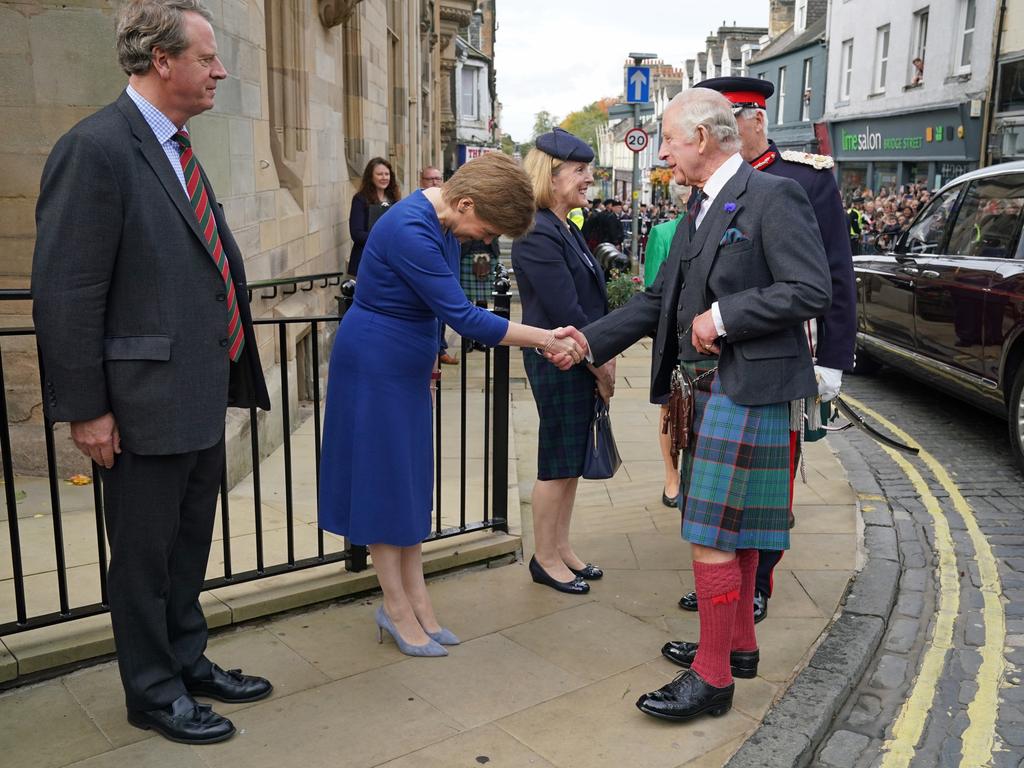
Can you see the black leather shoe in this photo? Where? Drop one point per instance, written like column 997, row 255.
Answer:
column 687, row 697
column 742, row 663
column 231, row 686
column 760, row 606
column 185, row 721
column 575, row 587
column 688, row 602
column 588, row 571
column 670, row 501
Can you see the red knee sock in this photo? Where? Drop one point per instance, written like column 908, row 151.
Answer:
column 743, row 636
column 718, row 592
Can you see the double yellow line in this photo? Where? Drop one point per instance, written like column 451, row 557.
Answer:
column 979, row 737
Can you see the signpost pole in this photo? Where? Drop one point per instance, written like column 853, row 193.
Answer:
column 634, row 245
column 638, row 88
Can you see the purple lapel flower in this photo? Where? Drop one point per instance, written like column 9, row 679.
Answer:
column 730, row 207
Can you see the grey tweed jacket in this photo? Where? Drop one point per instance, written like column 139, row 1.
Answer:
column 768, row 277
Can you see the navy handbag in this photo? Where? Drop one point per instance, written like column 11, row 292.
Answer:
column 602, row 460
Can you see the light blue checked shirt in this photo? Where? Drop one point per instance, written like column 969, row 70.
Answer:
column 164, row 131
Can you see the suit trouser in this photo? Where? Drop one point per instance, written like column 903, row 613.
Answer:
column 159, row 512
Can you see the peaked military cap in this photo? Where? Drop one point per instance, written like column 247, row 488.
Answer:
column 741, row 91
column 563, row 145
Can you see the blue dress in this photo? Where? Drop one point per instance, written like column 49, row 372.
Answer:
column 377, row 461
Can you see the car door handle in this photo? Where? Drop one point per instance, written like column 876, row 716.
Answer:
column 930, row 273
column 908, row 270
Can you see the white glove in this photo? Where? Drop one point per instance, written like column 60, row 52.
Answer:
column 829, row 382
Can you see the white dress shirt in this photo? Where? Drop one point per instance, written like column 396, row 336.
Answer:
column 712, row 187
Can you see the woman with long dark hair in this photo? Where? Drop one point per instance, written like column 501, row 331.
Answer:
column 378, row 190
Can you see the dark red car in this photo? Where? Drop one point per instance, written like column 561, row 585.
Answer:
column 946, row 305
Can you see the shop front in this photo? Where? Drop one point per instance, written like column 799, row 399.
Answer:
column 1007, row 140
column 928, row 146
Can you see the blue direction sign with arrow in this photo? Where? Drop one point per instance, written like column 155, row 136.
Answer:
column 638, row 85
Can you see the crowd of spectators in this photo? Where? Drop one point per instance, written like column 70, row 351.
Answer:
column 877, row 220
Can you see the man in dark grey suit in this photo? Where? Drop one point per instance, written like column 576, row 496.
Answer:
column 746, row 268
column 146, row 337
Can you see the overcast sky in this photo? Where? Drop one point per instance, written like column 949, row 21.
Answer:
column 560, row 55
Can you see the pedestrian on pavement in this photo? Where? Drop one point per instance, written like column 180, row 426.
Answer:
column 560, row 284
column 377, row 454
column 146, row 338
column 658, row 244
column 746, row 270
column 830, row 337
column 378, row 190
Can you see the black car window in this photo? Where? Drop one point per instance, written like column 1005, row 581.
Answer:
column 988, row 221
column 927, row 234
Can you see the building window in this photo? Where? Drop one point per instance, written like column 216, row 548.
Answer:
column 881, row 58
column 1010, row 93
column 805, row 97
column 354, row 77
column 965, row 38
column 780, row 113
column 469, row 104
column 846, row 69
column 398, row 102
column 800, row 24
column 920, row 45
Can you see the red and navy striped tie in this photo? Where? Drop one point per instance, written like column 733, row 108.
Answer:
column 204, row 214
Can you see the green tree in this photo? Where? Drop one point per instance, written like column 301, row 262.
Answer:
column 585, row 122
column 543, row 122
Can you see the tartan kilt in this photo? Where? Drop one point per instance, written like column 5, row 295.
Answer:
column 476, row 289
column 735, row 485
column 565, row 404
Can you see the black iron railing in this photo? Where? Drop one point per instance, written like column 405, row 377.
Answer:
column 486, row 512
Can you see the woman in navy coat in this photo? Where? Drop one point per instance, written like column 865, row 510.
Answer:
column 560, row 283
column 377, row 457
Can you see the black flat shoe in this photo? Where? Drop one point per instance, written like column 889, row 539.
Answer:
column 688, row 602
column 575, row 587
column 687, row 697
column 670, row 501
column 185, row 721
column 588, row 571
column 742, row 663
column 760, row 606
column 229, row 686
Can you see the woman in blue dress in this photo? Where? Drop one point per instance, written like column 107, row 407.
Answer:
column 377, row 457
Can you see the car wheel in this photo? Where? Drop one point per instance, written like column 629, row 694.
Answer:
column 864, row 364
column 1015, row 415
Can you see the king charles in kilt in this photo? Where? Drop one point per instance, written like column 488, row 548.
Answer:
column 832, row 336
column 745, row 271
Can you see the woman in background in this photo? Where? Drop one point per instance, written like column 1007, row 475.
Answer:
column 560, row 283
column 377, row 191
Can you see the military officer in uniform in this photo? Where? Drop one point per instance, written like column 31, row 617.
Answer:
column 831, row 337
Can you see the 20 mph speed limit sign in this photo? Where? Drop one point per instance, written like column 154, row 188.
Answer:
column 637, row 139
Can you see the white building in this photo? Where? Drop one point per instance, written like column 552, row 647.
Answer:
column 891, row 121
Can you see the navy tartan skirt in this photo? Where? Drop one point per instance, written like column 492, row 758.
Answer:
column 565, row 404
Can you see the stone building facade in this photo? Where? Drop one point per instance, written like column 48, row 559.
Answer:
column 316, row 88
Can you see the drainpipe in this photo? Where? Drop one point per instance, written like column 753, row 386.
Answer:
column 991, row 106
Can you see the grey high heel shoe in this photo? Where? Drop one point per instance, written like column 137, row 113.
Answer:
column 430, row 648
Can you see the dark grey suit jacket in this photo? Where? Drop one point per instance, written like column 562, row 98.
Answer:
column 766, row 285
column 129, row 308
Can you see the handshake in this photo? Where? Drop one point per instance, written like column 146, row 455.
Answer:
column 565, row 347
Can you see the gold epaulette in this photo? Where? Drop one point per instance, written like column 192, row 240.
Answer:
column 818, row 162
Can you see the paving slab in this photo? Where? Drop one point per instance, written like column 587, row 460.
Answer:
column 364, row 720
column 615, row 733
column 487, row 745
column 43, row 727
